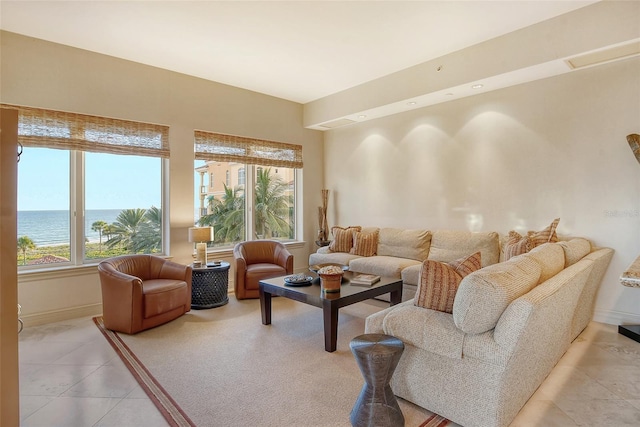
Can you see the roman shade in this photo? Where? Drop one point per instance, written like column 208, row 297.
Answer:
column 72, row 131
column 230, row 148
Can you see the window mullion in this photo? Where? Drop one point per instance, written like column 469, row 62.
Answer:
column 77, row 207
column 249, row 200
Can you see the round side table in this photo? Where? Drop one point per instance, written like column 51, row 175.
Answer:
column 209, row 286
column 377, row 356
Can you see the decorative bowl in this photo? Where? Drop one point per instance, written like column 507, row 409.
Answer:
column 331, row 277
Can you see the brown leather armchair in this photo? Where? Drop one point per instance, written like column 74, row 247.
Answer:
column 143, row 291
column 257, row 260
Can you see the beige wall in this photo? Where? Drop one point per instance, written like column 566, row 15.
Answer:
column 47, row 75
column 511, row 159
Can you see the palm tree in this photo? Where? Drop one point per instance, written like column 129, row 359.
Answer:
column 149, row 237
column 24, row 244
column 272, row 206
column 126, row 227
column 99, row 226
column 227, row 216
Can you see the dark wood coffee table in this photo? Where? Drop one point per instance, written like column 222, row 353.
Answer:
column 329, row 302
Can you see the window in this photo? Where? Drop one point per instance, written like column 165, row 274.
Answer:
column 103, row 192
column 44, row 220
column 241, row 176
column 237, row 211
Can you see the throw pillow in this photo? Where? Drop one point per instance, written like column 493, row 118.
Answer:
column 544, row 236
column 518, row 245
column 364, row 244
column 439, row 281
column 343, row 238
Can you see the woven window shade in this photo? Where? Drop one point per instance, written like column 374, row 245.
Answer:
column 230, row 148
column 70, row 131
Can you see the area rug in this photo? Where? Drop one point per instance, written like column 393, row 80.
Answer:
column 222, row 367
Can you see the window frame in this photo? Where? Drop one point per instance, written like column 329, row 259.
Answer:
column 252, row 154
column 80, row 133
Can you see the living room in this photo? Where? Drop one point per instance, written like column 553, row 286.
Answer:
column 507, row 159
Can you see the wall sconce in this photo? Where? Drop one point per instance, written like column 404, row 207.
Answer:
column 201, row 235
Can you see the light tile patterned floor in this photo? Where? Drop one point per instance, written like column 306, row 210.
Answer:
column 70, row 376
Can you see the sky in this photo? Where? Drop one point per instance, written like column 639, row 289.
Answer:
column 43, row 181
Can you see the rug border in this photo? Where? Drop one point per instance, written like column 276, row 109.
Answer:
column 168, row 407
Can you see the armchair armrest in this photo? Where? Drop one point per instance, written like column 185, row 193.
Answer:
column 284, row 258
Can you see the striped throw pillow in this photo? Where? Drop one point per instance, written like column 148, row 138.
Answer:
column 439, row 282
column 544, row 236
column 343, row 238
column 364, row 244
column 516, row 245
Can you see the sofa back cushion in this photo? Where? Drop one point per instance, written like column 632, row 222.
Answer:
column 575, row 250
column 449, row 245
column 484, row 294
column 404, row 243
column 550, row 257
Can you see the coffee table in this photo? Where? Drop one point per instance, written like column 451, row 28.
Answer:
column 329, row 302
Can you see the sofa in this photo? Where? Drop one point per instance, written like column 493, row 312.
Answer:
column 510, row 323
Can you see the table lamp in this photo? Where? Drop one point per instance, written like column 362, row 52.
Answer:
column 201, row 235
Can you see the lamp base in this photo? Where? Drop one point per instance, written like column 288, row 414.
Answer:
column 201, row 253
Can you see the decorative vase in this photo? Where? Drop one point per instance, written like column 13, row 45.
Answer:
column 330, row 282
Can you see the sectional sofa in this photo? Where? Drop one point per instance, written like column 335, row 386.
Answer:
column 510, row 323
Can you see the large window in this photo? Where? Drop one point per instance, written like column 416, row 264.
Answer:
column 237, row 211
column 88, row 188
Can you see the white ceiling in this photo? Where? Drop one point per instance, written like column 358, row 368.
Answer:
column 296, row 50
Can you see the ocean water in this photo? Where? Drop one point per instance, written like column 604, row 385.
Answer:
column 48, row 228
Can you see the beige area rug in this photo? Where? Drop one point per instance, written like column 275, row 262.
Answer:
column 222, row 367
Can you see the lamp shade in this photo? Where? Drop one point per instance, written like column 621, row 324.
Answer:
column 200, row 234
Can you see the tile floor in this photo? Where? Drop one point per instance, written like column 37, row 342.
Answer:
column 70, row 376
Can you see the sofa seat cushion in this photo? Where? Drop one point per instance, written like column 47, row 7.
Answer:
column 439, row 281
column 449, row 245
column 404, row 243
column 381, row 265
column 484, row 294
column 429, row 330
column 342, row 258
column 411, row 275
column 163, row 295
column 575, row 250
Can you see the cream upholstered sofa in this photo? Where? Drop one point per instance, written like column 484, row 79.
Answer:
column 511, row 322
column 400, row 252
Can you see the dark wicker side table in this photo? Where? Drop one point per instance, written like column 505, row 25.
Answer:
column 209, row 286
column 377, row 356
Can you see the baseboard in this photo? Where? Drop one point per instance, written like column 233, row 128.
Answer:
column 613, row 317
column 60, row 315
